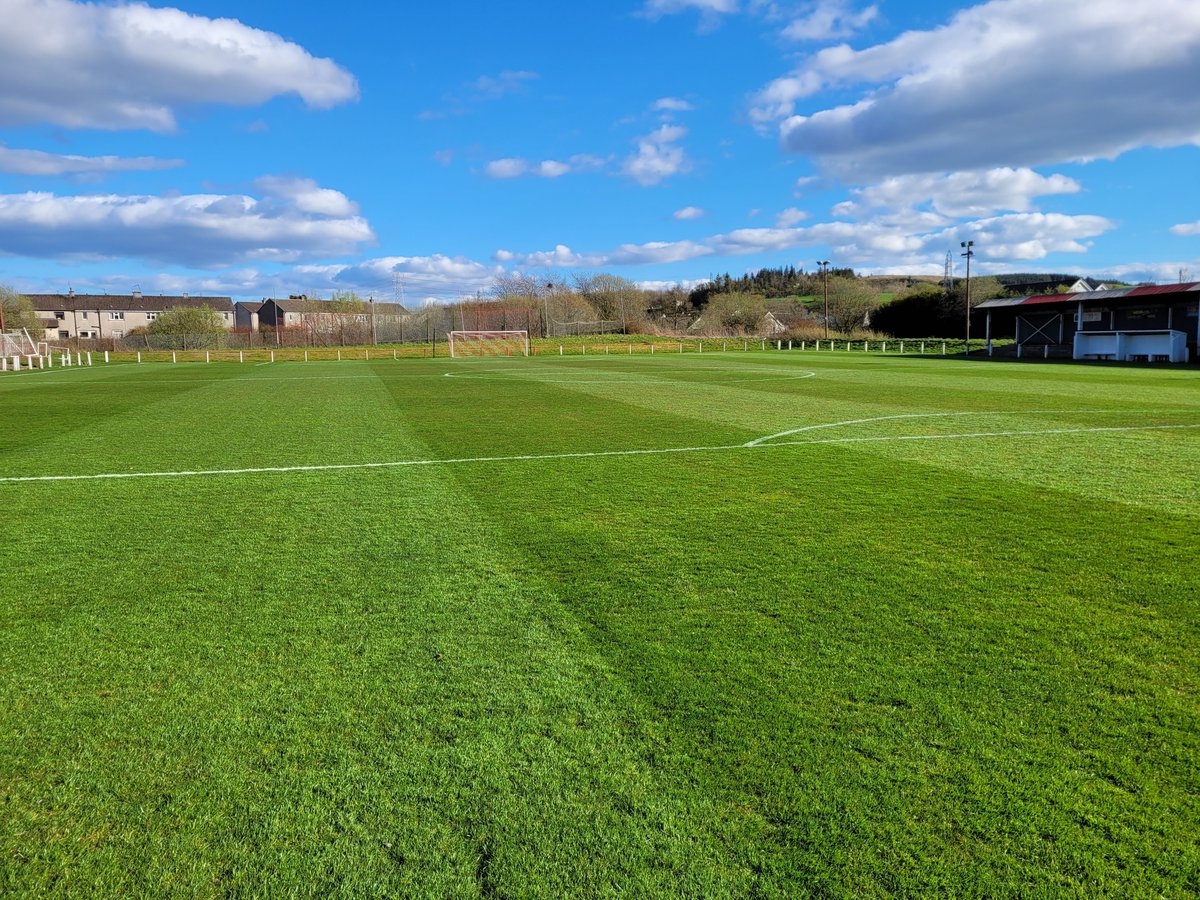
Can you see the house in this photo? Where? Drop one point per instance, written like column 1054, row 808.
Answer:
column 74, row 316
column 245, row 316
column 334, row 321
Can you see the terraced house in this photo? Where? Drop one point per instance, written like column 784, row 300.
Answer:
column 74, row 316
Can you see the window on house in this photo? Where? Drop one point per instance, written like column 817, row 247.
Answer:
column 150, row 317
column 84, row 314
column 64, row 335
column 116, row 314
column 118, row 334
column 60, row 316
column 86, row 334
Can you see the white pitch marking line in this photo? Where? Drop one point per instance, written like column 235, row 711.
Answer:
column 996, row 412
column 587, row 454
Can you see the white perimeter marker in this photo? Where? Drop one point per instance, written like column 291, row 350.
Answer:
column 590, row 454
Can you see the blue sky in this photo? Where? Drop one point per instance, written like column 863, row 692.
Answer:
column 265, row 148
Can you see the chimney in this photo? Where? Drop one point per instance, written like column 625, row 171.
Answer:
column 71, row 292
column 137, row 295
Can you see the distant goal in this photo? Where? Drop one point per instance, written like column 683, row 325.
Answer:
column 489, row 343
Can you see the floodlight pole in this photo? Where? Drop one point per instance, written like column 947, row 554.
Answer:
column 374, row 339
column 967, row 245
column 824, row 264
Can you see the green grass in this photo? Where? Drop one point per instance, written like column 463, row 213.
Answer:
column 901, row 667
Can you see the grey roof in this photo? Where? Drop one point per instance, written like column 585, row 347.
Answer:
column 144, row 303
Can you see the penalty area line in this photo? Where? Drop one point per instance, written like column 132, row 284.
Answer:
column 592, row 454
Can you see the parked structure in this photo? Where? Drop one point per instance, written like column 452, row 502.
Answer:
column 74, row 316
column 1155, row 323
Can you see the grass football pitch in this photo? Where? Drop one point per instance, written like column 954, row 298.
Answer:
column 719, row 625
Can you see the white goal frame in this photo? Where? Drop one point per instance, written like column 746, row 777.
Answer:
column 488, row 343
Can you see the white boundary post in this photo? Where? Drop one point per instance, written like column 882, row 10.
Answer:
column 272, row 356
column 89, row 357
column 306, row 356
column 922, row 348
column 560, row 349
column 173, row 359
column 207, row 356
column 106, row 356
column 139, row 357
column 339, row 354
column 943, row 348
column 241, row 356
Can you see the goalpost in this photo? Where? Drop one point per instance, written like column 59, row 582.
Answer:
column 18, row 345
column 489, row 343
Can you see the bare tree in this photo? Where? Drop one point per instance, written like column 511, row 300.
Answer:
column 851, row 302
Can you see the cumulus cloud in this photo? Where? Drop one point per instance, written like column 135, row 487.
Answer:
column 129, row 65
column 658, row 156
column 437, row 277
column 293, row 219
column 830, row 19
column 688, row 213
column 685, row 283
column 903, row 242
column 38, row 162
column 962, row 194
column 1189, row 229
column 516, row 167
column 1007, row 82
column 671, row 104
column 790, row 216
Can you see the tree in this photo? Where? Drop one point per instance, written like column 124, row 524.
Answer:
column 19, row 313
column 851, row 302
column 188, row 327
column 734, row 313
column 614, row 299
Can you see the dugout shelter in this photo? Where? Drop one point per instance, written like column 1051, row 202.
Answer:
column 1151, row 323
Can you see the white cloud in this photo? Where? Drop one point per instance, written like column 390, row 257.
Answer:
column 293, row 219
column 515, row 167
column 790, row 217
column 418, row 277
column 671, row 104
column 129, row 65
column 1189, row 229
column 1007, row 82
column 38, row 162
column 510, row 167
column 306, row 196
column 964, row 194
column 658, row 156
column 829, row 19
column 685, row 283
column 656, row 8
column 1026, row 236
column 688, row 213
column 878, row 243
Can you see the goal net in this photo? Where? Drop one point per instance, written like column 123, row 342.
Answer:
column 489, row 343
column 17, row 343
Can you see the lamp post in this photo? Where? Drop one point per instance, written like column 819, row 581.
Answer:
column 374, row 339
column 967, row 245
column 824, row 264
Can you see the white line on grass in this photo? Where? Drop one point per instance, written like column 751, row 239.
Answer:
column 996, row 412
column 586, row 454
